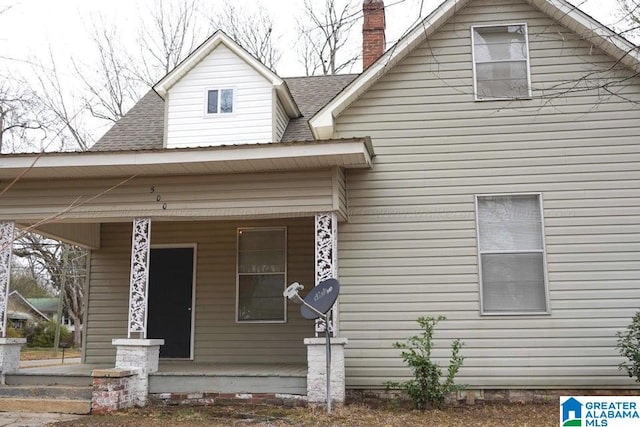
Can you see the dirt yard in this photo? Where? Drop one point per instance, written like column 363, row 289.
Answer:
column 489, row 415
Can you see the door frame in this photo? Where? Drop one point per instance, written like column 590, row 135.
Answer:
column 193, row 246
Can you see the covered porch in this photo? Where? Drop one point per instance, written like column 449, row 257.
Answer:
column 128, row 220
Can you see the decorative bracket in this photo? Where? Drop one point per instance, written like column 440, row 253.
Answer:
column 327, row 260
column 7, row 229
column 139, row 284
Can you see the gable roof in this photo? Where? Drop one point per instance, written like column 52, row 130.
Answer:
column 18, row 295
column 142, row 128
column 625, row 52
column 220, row 38
column 44, row 305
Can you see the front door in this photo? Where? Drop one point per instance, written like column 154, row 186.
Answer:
column 170, row 299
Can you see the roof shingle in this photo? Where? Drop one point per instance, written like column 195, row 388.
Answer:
column 142, row 128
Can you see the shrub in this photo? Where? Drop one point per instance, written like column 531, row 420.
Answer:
column 426, row 389
column 42, row 335
column 13, row 332
column 629, row 347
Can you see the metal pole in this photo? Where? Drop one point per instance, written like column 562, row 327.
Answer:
column 328, row 335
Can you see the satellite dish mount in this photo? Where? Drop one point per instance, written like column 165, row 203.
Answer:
column 317, row 305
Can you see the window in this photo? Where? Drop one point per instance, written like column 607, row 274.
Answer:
column 262, row 274
column 511, row 254
column 501, row 62
column 220, row 101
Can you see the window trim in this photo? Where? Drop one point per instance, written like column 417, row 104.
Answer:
column 547, row 300
column 286, row 268
column 528, row 62
column 218, row 113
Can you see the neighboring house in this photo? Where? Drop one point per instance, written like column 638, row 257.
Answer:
column 20, row 311
column 49, row 306
column 485, row 168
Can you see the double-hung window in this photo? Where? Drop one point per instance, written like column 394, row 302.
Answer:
column 511, row 256
column 262, row 274
column 220, row 101
column 501, row 62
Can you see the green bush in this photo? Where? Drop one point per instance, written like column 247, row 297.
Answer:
column 42, row 335
column 13, row 332
column 426, row 389
column 629, row 347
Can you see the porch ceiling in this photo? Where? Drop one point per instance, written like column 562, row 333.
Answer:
column 346, row 153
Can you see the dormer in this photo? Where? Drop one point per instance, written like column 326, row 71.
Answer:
column 222, row 95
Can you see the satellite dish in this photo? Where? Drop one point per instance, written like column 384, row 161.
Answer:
column 321, row 298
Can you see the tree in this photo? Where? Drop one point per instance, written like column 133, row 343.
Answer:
column 20, row 113
column 64, row 266
column 26, row 283
column 171, row 31
column 251, row 29
column 324, row 34
column 630, row 10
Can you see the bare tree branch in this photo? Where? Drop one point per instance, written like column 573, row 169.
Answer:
column 251, row 29
column 324, row 35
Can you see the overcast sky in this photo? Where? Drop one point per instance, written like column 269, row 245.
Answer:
column 31, row 26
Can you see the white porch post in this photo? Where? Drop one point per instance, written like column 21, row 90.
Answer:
column 9, row 347
column 139, row 283
column 139, row 355
column 326, row 266
column 327, row 259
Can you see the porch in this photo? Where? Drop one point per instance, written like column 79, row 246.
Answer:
column 181, row 377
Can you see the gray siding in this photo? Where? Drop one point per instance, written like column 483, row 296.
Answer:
column 409, row 248
column 280, row 119
column 214, row 196
column 86, row 235
column 218, row 338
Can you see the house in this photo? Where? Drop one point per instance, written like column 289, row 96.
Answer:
column 20, row 311
column 484, row 168
column 49, row 306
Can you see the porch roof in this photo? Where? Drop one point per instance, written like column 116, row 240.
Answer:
column 227, row 159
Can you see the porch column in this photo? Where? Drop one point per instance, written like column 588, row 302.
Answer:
column 9, row 347
column 327, row 260
column 138, row 354
column 139, row 283
column 326, row 237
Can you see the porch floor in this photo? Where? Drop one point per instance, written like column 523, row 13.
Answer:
column 183, row 377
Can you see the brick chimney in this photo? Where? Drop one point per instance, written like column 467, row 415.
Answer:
column 373, row 39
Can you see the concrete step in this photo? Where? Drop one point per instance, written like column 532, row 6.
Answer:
column 58, row 406
column 46, row 392
column 48, row 380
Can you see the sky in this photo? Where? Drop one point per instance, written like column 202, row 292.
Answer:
column 30, row 29
column 31, row 26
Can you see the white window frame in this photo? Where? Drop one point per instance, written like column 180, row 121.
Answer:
column 547, row 310
column 473, row 61
column 219, row 113
column 284, row 285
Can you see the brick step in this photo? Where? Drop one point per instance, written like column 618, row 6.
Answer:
column 50, row 392
column 58, row 406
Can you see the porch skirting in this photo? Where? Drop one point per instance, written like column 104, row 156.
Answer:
column 276, row 399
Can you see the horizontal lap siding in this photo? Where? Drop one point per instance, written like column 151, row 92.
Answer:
column 409, row 248
column 251, row 121
column 268, row 194
column 218, row 338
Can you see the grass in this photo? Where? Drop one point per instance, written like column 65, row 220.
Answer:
column 479, row 415
column 46, row 353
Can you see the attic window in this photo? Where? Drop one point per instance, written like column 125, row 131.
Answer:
column 501, row 62
column 220, row 101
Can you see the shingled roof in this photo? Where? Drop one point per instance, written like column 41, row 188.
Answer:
column 142, row 128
